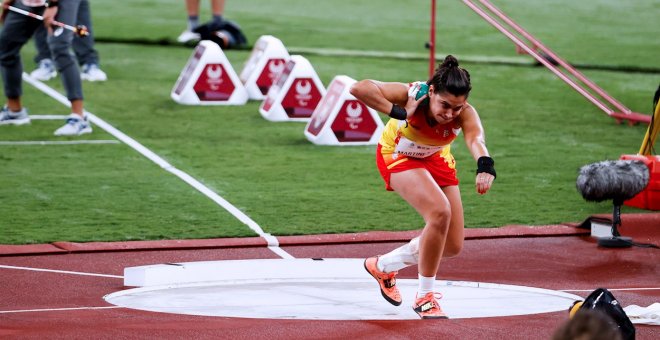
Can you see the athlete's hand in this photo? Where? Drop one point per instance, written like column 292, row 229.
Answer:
column 412, row 103
column 484, row 181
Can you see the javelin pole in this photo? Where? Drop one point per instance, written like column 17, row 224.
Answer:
column 80, row 30
column 432, row 40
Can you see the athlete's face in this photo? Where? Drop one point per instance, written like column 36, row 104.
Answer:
column 445, row 106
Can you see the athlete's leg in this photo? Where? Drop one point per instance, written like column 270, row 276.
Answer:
column 455, row 236
column 417, row 187
column 408, row 254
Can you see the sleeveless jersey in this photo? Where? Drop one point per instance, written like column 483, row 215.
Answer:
column 416, row 138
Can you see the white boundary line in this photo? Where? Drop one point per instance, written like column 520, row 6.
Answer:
column 48, row 117
column 60, row 142
column 60, row 271
column 56, row 309
column 273, row 243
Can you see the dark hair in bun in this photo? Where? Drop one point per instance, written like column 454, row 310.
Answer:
column 451, row 78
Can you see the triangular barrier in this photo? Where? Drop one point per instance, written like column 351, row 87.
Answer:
column 209, row 79
column 341, row 119
column 295, row 93
column 265, row 63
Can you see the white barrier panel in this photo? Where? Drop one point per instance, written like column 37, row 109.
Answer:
column 209, row 79
column 341, row 119
column 295, row 93
column 266, row 62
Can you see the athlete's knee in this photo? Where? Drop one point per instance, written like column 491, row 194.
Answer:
column 439, row 218
column 452, row 249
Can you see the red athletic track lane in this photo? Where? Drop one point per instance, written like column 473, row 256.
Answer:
column 559, row 258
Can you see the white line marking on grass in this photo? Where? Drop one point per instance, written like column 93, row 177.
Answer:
column 611, row 289
column 273, row 243
column 60, row 271
column 48, row 117
column 56, row 309
column 61, row 142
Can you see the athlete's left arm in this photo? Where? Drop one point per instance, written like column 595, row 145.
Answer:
column 475, row 140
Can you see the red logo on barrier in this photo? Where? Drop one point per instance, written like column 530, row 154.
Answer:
column 354, row 123
column 214, row 84
column 301, row 99
column 271, row 70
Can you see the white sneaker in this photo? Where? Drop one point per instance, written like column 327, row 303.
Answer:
column 92, row 72
column 75, row 126
column 8, row 116
column 45, row 70
column 188, row 36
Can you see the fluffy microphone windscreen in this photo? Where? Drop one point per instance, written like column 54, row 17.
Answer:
column 606, row 180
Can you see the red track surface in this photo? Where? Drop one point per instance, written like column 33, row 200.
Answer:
column 553, row 257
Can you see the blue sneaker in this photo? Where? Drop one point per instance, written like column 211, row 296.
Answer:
column 45, row 70
column 75, row 126
column 92, row 72
column 8, row 116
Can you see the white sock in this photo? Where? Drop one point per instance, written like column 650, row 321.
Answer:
column 399, row 258
column 379, row 264
column 425, row 285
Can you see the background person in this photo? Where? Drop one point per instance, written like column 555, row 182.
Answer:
column 88, row 57
column 192, row 8
column 588, row 324
column 16, row 31
column 414, row 158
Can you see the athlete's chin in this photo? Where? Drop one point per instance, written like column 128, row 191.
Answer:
column 442, row 120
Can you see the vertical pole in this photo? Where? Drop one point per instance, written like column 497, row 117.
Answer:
column 432, row 41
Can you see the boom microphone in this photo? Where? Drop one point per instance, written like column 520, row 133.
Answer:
column 612, row 180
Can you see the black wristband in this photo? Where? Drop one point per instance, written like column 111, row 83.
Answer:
column 398, row 112
column 51, row 3
column 487, row 165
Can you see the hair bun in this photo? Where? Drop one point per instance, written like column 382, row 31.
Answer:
column 449, row 62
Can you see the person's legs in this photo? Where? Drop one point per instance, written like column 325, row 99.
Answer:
column 455, row 234
column 41, row 44
column 84, row 46
column 88, row 57
column 192, row 9
column 417, row 187
column 217, row 10
column 45, row 69
column 60, row 44
column 16, row 31
column 408, row 254
column 420, row 190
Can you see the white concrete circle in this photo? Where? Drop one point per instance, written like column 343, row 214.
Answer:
column 318, row 296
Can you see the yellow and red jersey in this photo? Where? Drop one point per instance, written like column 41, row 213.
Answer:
column 416, row 138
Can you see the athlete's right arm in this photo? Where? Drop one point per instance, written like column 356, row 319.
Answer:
column 380, row 96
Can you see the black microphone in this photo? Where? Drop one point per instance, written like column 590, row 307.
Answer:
column 617, row 181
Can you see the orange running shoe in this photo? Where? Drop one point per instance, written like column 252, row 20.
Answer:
column 427, row 307
column 387, row 281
